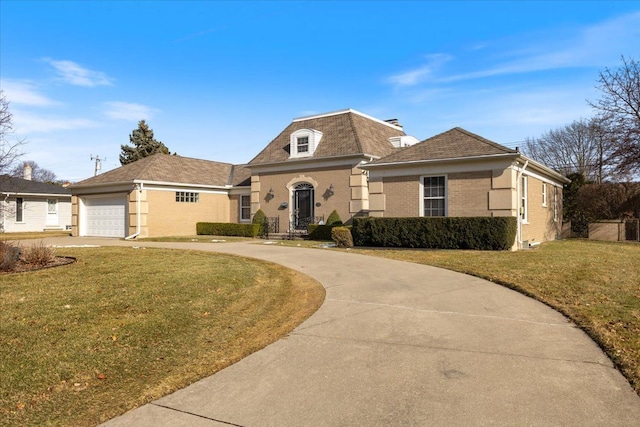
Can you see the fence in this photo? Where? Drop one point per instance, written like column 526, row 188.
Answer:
column 616, row 230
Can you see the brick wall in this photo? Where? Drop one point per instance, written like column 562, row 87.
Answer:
column 468, row 193
column 321, row 179
column 402, row 196
column 166, row 217
column 540, row 225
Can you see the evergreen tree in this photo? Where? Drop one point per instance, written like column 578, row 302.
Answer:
column 143, row 145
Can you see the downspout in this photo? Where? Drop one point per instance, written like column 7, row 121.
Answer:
column 519, row 187
column 137, row 233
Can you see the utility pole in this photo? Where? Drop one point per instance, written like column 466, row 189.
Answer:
column 98, row 164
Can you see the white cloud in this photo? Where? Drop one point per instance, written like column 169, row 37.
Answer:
column 597, row 45
column 25, row 93
column 128, row 111
column 74, row 74
column 26, row 123
column 420, row 74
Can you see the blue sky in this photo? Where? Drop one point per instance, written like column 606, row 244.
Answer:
column 220, row 80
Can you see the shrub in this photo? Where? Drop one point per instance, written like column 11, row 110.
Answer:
column 342, row 237
column 227, row 229
column 259, row 218
column 9, row 255
column 334, row 218
column 483, row 233
column 39, row 254
column 319, row 232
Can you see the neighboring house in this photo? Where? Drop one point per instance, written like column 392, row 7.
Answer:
column 160, row 195
column 345, row 161
column 458, row 173
column 27, row 205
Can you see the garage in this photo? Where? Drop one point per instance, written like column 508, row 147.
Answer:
column 105, row 216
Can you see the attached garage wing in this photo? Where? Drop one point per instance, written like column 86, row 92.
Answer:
column 104, row 217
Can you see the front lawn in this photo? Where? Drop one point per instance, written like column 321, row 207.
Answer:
column 596, row 284
column 121, row 327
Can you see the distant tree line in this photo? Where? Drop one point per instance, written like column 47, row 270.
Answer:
column 601, row 155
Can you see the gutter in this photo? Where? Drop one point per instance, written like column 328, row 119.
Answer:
column 138, row 225
column 519, row 187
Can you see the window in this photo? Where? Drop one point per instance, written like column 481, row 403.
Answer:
column 19, row 208
column 186, row 197
column 245, row 208
column 523, row 199
column 544, row 194
column 52, row 206
column 302, row 144
column 434, row 193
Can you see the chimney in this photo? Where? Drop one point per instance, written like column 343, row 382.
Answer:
column 394, row 122
column 27, row 171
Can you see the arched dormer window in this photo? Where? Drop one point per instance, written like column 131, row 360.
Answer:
column 304, row 142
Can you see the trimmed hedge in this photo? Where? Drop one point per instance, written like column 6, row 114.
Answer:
column 320, row 232
column 227, row 229
column 342, row 237
column 482, row 233
column 259, row 218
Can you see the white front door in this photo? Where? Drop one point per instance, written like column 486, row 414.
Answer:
column 52, row 212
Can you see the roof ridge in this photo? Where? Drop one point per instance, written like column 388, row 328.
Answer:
column 484, row 140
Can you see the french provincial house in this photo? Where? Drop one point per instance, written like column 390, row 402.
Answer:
column 27, row 206
column 346, row 161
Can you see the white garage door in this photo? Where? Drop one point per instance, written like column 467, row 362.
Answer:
column 105, row 217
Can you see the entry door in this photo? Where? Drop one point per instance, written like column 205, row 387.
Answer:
column 303, row 206
column 52, row 212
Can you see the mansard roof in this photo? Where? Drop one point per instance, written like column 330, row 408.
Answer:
column 344, row 133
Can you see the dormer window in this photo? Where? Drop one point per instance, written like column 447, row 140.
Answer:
column 303, row 142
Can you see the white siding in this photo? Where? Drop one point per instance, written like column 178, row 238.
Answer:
column 34, row 214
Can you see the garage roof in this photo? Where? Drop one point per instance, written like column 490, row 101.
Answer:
column 174, row 169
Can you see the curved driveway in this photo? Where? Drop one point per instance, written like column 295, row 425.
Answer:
column 402, row 344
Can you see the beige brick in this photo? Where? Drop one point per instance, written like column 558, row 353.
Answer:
column 375, row 187
column 357, row 180
column 502, row 199
column 503, row 178
column 377, row 202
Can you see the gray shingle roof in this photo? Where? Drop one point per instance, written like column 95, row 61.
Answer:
column 344, row 133
column 9, row 184
column 454, row 143
column 170, row 168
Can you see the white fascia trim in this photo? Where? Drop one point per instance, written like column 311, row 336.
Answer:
column 180, row 184
column 49, row 195
column 348, row 110
column 310, row 163
column 542, row 168
column 450, row 159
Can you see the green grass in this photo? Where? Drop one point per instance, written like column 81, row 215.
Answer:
column 596, row 284
column 121, row 327
column 33, row 235
column 197, row 238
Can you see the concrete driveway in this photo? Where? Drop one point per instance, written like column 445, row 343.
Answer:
column 402, row 344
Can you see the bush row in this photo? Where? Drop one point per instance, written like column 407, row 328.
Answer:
column 482, row 233
column 227, row 229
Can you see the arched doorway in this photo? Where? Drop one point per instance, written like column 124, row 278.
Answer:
column 303, row 199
